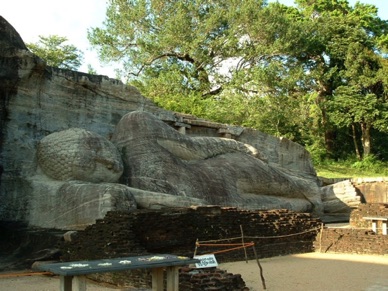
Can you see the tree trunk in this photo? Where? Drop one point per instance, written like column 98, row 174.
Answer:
column 329, row 142
column 355, row 142
column 365, row 138
column 329, row 133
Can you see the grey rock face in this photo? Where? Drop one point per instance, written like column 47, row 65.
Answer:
column 78, row 154
column 39, row 157
column 74, row 205
column 38, row 100
column 219, row 171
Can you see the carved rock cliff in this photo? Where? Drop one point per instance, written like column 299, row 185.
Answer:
column 38, row 100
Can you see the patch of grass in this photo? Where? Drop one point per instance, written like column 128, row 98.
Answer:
column 368, row 167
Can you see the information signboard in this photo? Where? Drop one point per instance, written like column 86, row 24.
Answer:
column 206, row 261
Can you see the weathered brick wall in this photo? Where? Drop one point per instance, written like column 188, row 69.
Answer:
column 359, row 239
column 367, row 210
column 210, row 279
column 175, row 231
column 108, row 238
column 190, row 279
column 351, row 241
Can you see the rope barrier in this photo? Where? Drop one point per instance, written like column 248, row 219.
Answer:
column 228, row 250
column 243, row 245
column 285, row 235
column 221, row 245
column 260, row 237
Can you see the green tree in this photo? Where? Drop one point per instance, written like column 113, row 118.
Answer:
column 310, row 51
column 56, row 53
column 189, row 39
column 253, row 63
column 362, row 100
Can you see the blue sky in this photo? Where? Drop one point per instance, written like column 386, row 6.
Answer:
column 72, row 18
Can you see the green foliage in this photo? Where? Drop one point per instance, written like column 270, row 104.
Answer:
column 189, row 38
column 370, row 163
column 317, row 152
column 370, row 166
column 361, row 98
column 57, row 54
column 314, row 73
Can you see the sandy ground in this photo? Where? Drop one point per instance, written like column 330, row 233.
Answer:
column 315, row 271
column 312, row 271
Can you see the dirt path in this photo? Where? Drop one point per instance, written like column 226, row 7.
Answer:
column 315, row 271
column 312, row 271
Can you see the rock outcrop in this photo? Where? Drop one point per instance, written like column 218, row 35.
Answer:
column 219, row 171
column 341, row 197
column 37, row 101
column 169, row 158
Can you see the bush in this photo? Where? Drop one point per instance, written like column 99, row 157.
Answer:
column 371, row 164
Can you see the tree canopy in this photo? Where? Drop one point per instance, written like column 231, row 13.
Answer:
column 314, row 72
column 56, row 53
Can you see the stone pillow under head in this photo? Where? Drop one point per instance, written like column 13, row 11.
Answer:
column 78, row 154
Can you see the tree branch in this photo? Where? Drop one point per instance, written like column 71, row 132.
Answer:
column 213, row 92
column 184, row 57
